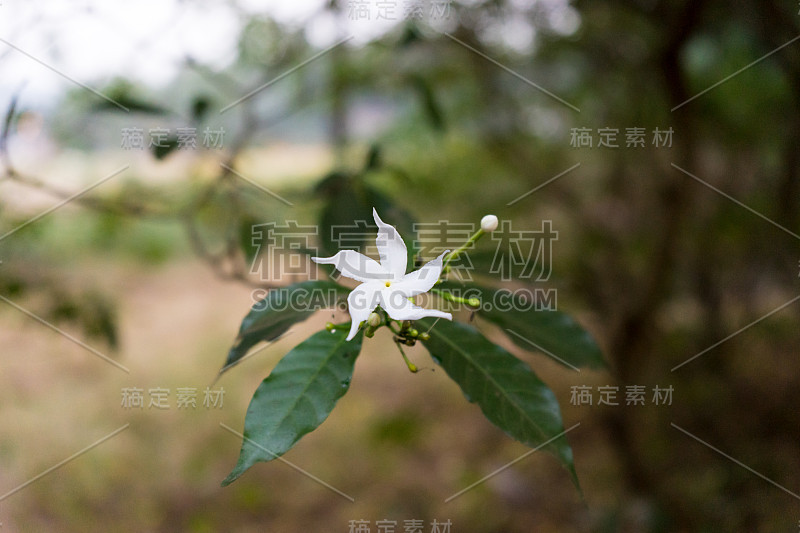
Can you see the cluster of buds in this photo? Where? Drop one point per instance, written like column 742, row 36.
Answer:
column 408, row 335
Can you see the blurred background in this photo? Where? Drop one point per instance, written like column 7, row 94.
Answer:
column 141, row 142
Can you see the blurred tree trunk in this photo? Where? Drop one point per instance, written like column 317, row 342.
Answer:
column 634, row 336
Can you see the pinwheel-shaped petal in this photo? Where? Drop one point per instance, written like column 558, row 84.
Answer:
column 385, row 284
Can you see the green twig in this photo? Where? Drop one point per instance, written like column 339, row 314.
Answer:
column 411, row 366
column 471, row 302
column 452, row 256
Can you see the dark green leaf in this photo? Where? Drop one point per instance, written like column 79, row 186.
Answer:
column 430, row 105
column 373, row 160
column 410, row 35
column 10, row 114
column 122, row 92
column 296, row 397
column 281, row 309
column 346, row 219
column 505, row 388
column 165, row 147
column 200, row 107
column 249, row 248
column 93, row 311
column 534, row 328
column 99, row 319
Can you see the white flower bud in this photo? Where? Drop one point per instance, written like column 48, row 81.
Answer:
column 489, row 223
column 374, row 320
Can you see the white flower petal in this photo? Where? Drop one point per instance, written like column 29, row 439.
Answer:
column 361, row 302
column 355, row 266
column 400, row 308
column 421, row 280
column 391, row 248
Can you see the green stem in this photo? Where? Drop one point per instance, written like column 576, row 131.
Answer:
column 452, row 256
column 392, row 328
column 411, row 366
column 471, row 302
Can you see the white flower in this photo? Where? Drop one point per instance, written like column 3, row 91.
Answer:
column 385, row 284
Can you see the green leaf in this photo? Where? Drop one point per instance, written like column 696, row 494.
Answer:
column 281, row 309
column 10, row 114
column 553, row 333
column 431, row 107
column 249, row 248
column 508, row 392
column 200, row 107
column 122, row 92
column 373, row 160
column 296, row 397
column 410, row 36
column 345, row 214
column 165, row 147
